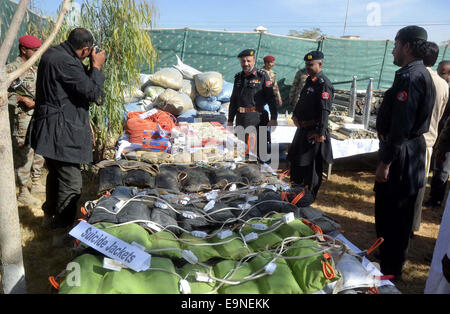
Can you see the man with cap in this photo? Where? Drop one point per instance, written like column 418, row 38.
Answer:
column 311, row 145
column 269, row 63
column 21, row 107
column 403, row 117
column 252, row 90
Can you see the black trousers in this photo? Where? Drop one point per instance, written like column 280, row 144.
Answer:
column 63, row 190
column 310, row 175
column 256, row 120
column 440, row 179
column 394, row 214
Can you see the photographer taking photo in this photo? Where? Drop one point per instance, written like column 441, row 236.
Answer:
column 60, row 129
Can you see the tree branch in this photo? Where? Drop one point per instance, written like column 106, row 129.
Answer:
column 12, row 31
column 17, row 73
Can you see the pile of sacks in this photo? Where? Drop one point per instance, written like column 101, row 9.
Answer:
column 188, row 94
column 213, row 230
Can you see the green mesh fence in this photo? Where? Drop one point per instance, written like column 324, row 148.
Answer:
column 344, row 58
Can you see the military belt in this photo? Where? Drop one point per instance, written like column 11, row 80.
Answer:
column 251, row 109
column 306, row 124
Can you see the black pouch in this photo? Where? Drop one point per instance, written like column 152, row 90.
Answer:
column 190, row 224
column 195, row 180
column 104, row 211
column 168, row 179
column 109, row 178
column 139, row 178
column 250, row 174
column 161, row 217
column 134, row 210
column 220, row 216
column 219, row 178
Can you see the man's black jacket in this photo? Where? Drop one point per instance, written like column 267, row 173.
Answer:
column 64, row 89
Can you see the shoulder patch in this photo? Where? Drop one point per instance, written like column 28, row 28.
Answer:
column 269, row 83
column 325, row 96
column 402, row 96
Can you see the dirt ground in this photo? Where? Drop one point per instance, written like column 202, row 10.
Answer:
column 347, row 197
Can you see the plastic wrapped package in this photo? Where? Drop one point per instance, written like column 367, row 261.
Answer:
column 167, row 78
column 208, row 83
column 189, row 89
column 153, row 92
column 174, row 102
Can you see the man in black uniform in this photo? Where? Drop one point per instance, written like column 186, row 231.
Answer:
column 60, row 129
column 252, row 90
column 312, row 145
column 404, row 116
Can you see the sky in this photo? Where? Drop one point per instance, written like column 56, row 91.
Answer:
column 365, row 18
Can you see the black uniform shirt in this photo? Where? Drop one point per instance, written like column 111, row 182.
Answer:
column 406, row 109
column 315, row 101
column 254, row 90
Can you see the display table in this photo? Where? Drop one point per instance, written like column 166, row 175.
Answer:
column 341, row 148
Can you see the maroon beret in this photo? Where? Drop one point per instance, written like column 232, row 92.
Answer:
column 29, row 41
column 269, row 59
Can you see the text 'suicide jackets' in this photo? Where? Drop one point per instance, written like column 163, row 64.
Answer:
column 60, row 127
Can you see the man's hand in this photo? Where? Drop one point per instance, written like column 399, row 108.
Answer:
column 272, row 123
column 281, row 102
column 446, row 268
column 319, row 138
column 27, row 101
column 382, row 173
column 98, row 59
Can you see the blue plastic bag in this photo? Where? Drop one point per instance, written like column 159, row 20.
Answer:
column 188, row 116
column 208, row 104
column 225, row 94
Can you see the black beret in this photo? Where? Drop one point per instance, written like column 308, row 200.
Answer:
column 412, row 32
column 246, row 53
column 313, row 55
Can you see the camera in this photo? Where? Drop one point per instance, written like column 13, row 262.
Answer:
column 97, row 50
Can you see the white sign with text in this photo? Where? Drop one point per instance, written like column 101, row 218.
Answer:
column 129, row 255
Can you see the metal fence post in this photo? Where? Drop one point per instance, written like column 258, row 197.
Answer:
column 353, row 96
column 183, row 49
column 368, row 104
column 259, row 46
column 382, row 64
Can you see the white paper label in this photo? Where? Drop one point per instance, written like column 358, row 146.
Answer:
column 114, row 248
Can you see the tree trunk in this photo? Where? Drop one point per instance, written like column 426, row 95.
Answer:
column 12, row 268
